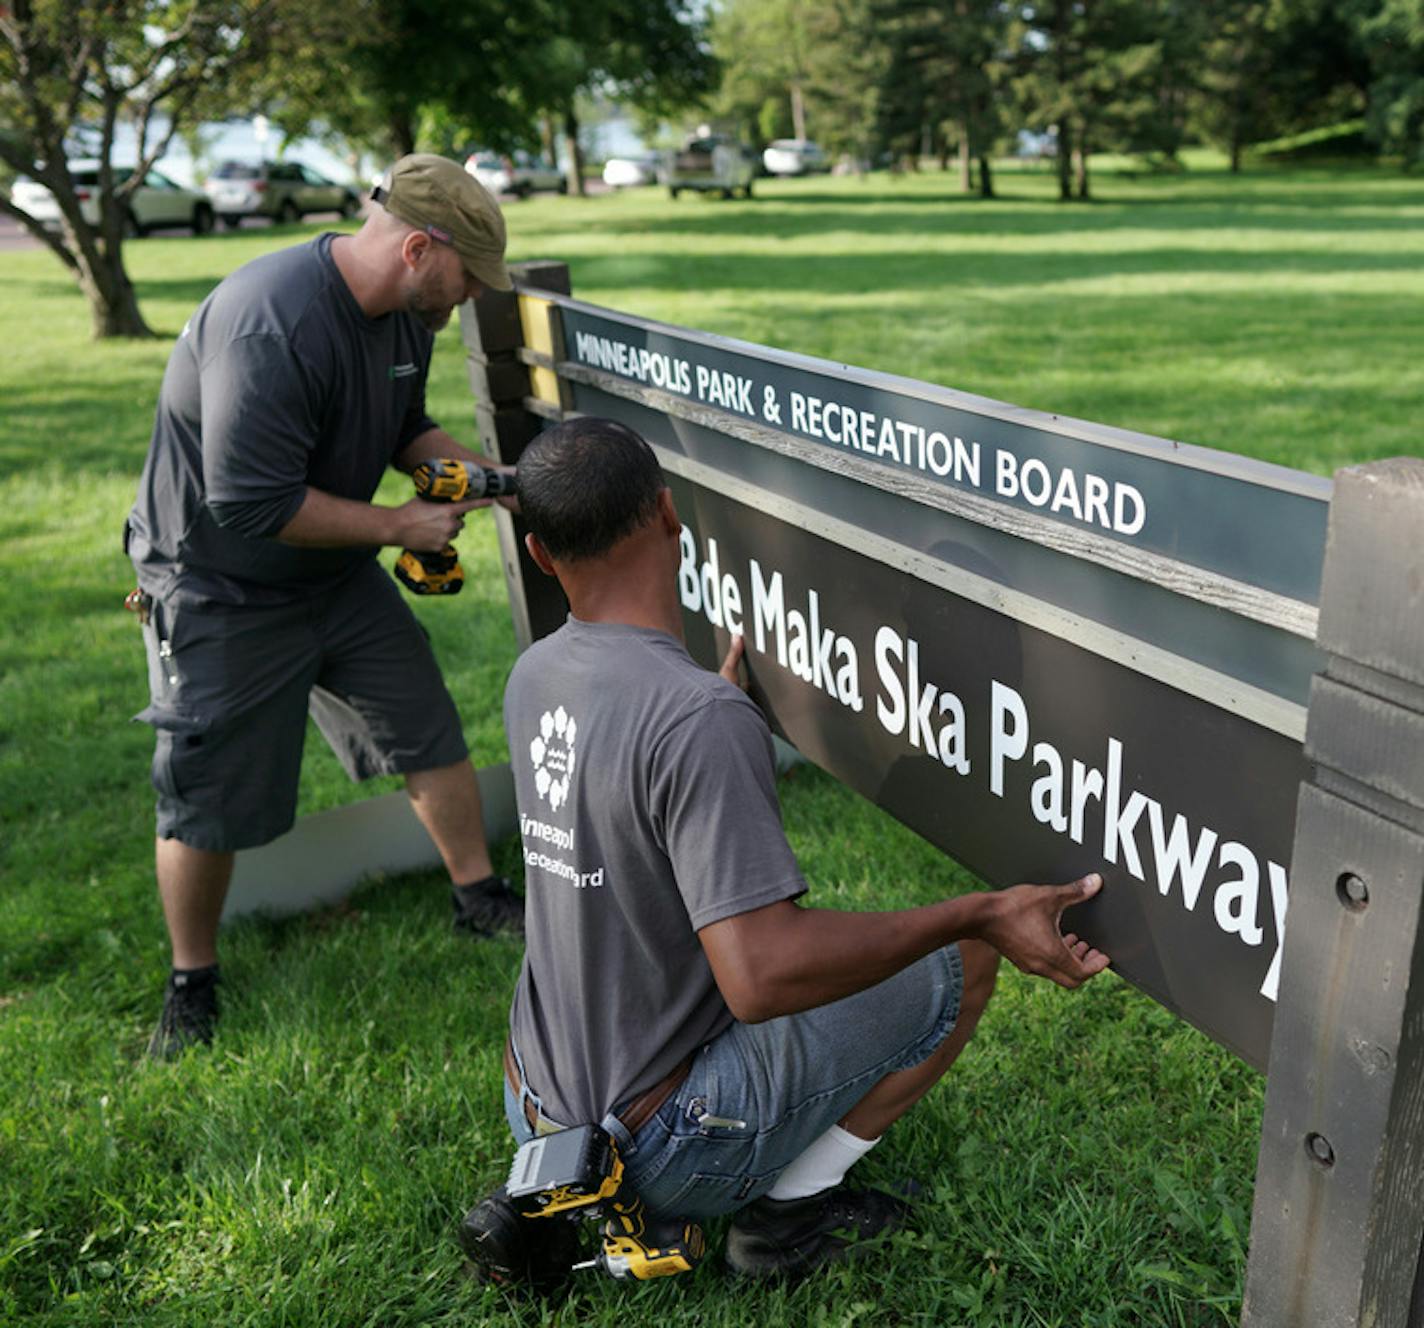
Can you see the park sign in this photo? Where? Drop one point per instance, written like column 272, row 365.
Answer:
column 1049, row 647
column 1053, row 647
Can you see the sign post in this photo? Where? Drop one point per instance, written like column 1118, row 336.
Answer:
column 1339, row 1208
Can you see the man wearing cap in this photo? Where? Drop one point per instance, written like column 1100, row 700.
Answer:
column 290, row 390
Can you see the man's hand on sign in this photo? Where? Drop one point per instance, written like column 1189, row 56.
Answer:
column 732, row 669
column 1026, row 929
column 429, row 527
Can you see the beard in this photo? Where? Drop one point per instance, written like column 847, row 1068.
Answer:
column 431, row 309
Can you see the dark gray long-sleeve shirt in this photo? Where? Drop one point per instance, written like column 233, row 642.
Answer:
column 278, row 382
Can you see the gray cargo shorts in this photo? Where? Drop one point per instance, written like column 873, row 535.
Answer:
column 230, row 689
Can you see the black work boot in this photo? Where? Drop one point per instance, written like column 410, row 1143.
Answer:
column 789, row 1237
column 190, row 1012
column 511, row 1250
column 487, row 907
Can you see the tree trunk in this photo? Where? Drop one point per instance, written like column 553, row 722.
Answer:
column 1235, row 154
column 1080, row 166
column 798, row 112
column 571, row 146
column 986, row 177
column 965, row 184
column 402, row 131
column 1065, row 162
column 113, row 305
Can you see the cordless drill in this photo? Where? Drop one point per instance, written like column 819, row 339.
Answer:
column 578, row 1173
column 447, row 481
column 641, row 1247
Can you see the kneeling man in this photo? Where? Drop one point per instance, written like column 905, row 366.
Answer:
column 743, row 1050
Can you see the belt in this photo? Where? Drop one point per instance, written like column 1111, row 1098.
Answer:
column 633, row 1116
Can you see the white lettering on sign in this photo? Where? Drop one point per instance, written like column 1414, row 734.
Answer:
column 1092, row 799
column 1181, row 859
column 1064, row 492
column 664, row 371
column 1085, row 498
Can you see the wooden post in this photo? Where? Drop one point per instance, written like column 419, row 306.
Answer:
column 1339, row 1205
column 494, row 336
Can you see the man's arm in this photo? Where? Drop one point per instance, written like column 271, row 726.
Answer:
column 434, row 444
column 324, row 521
column 783, row 958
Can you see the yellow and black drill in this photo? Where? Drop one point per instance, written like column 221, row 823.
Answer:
column 578, row 1173
column 447, row 481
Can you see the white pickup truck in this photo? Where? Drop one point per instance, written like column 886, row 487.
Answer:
column 712, row 163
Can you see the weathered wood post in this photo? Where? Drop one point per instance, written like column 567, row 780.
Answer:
column 507, row 414
column 1339, row 1206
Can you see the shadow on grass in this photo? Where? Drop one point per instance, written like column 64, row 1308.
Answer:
column 819, row 275
column 792, row 219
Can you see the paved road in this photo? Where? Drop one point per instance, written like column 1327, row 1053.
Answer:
column 14, row 236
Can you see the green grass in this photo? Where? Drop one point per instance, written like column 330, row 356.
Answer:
column 1090, row 1160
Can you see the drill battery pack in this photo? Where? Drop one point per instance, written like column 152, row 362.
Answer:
column 430, row 573
column 557, row 1173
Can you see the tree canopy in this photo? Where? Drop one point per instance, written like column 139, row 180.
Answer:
column 1138, row 76
column 72, row 70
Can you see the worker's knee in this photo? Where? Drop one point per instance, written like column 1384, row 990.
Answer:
column 981, row 968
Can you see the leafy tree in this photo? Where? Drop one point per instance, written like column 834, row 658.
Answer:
column 442, row 75
column 1157, row 108
column 404, row 75
column 766, row 48
column 941, row 77
column 1081, row 67
column 1391, row 34
column 72, row 70
column 803, row 68
column 1238, row 55
column 649, row 54
column 1271, row 67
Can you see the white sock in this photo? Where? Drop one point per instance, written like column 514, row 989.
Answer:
column 822, row 1165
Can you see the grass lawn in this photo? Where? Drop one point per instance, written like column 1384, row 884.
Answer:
column 1090, row 1162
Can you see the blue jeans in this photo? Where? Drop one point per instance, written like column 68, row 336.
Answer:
column 759, row 1094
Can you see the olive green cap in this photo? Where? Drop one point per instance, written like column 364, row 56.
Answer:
column 440, row 197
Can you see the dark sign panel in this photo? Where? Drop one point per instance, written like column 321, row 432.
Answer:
column 1255, row 523
column 1018, row 753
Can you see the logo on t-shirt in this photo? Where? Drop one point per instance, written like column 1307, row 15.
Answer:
column 403, row 370
column 552, row 754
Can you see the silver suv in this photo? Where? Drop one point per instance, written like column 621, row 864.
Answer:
column 283, row 190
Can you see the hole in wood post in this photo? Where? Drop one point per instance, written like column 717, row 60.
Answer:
column 1354, row 894
column 1318, row 1146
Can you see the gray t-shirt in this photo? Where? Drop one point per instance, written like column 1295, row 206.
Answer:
column 278, row 381
column 647, row 809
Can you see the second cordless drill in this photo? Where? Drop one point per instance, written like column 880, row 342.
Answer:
column 447, row 481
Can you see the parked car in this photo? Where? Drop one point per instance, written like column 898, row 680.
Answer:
column 155, row 204
column 515, row 173
column 794, row 156
column 626, row 172
column 285, row 191
column 712, row 163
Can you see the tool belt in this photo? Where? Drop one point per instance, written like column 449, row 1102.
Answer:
column 632, row 1117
